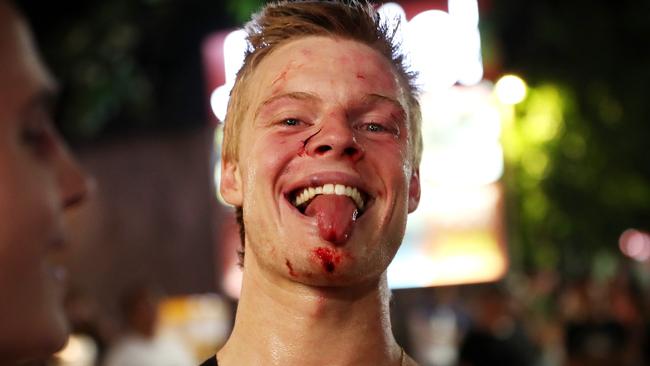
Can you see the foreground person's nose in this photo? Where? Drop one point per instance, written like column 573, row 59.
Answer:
column 74, row 184
column 335, row 139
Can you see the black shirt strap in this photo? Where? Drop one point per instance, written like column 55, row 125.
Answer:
column 212, row 361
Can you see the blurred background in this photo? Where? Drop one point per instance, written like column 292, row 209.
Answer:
column 530, row 246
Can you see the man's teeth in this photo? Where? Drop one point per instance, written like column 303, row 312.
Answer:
column 338, row 189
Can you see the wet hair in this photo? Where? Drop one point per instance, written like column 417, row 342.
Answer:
column 281, row 22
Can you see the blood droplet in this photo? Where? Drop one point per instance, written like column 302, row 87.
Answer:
column 328, row 258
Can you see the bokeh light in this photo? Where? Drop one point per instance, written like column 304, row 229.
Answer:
column 635, row 244
column 510, row 89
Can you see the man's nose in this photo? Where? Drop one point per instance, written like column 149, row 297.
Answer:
column 336, row 138
column 74, row 184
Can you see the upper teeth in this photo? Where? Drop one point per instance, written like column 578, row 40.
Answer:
column 338, row 189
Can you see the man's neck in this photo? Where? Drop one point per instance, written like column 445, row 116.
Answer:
column 288, row 323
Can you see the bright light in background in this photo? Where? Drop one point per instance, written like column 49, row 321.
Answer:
column 234, row 48
column 510, row 89
column 431, row 43
column 445, row 48
column 454, row 239
column 465, row 13
column 635, row 244
column 461, row 129
column 455, row 236
column 80, row 350
column 199, row 322
column 452, row 205
column 395, row 18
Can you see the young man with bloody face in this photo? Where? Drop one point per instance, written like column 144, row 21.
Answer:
column 321, row 152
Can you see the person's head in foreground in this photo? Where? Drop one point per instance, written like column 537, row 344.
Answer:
column 39, row 180
column 321, row 153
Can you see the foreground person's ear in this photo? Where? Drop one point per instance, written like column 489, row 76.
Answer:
column 231, row 184
column 414, row 190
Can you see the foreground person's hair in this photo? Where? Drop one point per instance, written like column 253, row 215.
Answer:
column 281, row 22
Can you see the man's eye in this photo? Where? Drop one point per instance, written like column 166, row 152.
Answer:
column 38, row 133
column 291, row 122
column 375, row 127
column 34, row 137
column 38, row 139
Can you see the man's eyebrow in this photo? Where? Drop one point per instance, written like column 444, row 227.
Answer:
column 378, row 98
column 299, row 96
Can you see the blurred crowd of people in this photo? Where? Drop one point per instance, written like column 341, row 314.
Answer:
column 536, row 319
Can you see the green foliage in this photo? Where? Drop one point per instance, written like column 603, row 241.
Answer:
column 127, row 65
column 241, row 10
column 571, row 196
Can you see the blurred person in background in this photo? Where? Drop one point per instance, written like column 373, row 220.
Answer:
column 321, row 159
column 39, row 181
column 496, row 336
column 142, row 344
column 592, row 336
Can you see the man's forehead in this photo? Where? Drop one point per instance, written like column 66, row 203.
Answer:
column 294, row 63
column 301, row 51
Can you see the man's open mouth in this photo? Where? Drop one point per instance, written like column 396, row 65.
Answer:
column 301, row 197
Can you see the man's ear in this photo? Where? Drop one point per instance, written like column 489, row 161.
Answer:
column 414, row 190
column 231, row 184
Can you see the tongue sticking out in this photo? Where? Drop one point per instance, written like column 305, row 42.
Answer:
column 336, row 216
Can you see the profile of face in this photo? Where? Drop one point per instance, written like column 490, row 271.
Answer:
column 39, row 180
column 323, row 172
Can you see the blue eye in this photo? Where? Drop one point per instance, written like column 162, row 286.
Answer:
column 291, row 122
column 375, row 127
